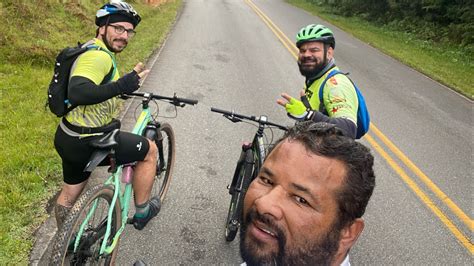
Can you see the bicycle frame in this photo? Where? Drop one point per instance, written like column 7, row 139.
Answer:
column 116, row 181
column 248, row 166
column 126, row 172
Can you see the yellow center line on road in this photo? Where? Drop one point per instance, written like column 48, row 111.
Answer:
column 443, row 197
column 425, row 199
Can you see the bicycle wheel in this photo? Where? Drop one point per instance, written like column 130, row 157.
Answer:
column 243, row 177
column 93, row 233
column 165, row 162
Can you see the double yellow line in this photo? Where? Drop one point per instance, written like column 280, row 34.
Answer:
column 402, row 157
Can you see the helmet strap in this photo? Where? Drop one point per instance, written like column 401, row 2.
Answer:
column 105, row 35
column 325, row 50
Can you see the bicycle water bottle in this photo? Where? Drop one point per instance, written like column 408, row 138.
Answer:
column 127, row 172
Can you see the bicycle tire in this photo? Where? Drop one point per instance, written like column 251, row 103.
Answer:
column 164, row 169
column 89, row 248
column 244, row 170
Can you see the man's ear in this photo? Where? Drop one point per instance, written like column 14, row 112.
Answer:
column 101, row 30
column 330, row 52
column 349, row 236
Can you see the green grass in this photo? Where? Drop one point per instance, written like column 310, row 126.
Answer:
column 32, row 33
column 448, row 64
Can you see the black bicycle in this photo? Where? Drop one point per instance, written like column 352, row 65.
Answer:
column 248, row 166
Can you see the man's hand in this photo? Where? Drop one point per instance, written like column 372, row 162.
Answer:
column 295, row 109
column 130, row 82
column 141, row 70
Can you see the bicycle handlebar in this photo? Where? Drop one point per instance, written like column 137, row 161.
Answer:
column 261, row 119
column 173, row 100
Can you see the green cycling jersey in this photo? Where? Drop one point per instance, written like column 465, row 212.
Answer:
column 339, row 97
column 95, row 65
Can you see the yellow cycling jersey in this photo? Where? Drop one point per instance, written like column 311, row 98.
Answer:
column 95, row 65
column 339, row 97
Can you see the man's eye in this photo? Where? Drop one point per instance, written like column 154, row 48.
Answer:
column 265, row 180
column 301, row 200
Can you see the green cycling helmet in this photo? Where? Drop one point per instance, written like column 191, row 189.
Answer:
column 317, row 33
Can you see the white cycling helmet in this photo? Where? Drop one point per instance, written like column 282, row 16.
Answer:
column 117, row 11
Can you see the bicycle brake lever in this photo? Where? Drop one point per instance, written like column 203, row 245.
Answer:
column 124, row 96
column 233, row 118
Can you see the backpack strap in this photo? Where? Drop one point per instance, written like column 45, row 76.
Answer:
column 321, row 88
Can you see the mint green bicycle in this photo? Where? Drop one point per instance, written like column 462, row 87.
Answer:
column 91, row 232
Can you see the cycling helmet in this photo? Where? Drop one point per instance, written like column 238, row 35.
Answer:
column 315, row 32
column 116, row 11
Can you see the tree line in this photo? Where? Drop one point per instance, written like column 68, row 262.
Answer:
column 447, row 21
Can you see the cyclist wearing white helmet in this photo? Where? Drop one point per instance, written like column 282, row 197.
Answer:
column 316, row 45
column 95, row 87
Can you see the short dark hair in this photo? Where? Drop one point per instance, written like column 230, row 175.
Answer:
column 327, row 140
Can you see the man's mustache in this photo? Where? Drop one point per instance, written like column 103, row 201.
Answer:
column 122, row 40
column 269, row 223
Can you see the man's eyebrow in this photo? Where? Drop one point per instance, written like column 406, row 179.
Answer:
column 267, row 171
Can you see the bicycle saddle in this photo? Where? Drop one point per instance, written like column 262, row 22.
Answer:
column 103, row 146
column 108, row 140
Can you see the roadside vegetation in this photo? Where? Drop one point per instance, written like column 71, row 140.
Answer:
column 433, row 37
column 31, row 35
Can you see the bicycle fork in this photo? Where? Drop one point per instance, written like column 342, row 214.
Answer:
column 234, row 187
column 153, row 132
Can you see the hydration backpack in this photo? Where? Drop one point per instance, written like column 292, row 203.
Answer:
column 58, row 101
column 363, row 119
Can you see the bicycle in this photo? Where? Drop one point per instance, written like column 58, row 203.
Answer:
column 249, row 164
column 92, row 230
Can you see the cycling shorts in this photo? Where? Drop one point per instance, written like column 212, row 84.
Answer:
column 75, row 153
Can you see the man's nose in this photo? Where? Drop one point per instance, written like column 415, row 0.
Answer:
column 271, row 203
column 306, row 53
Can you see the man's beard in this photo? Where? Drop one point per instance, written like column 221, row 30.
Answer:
column 317, row 251
column 109, row 45
column 312, row 71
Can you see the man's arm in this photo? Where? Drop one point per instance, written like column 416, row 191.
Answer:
column 297, row 110
column 349, row 127
column 83, row 91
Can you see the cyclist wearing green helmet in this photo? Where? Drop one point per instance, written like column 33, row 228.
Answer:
column 94, row 87
column 316, row 45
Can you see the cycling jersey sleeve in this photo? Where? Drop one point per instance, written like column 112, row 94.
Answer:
column 340, row 98
column 83, row 91
column 94, row 65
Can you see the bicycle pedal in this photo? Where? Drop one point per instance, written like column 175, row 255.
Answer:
column 130, row 220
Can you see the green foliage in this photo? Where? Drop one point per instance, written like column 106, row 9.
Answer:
column 31, row 35
column 423, row 45
column 450, row 22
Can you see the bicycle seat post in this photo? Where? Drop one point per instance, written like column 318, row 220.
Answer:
column 127, row 173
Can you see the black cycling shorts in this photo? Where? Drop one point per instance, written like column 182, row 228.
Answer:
column 75, row 153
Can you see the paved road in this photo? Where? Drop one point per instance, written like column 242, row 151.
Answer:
column 223, row 53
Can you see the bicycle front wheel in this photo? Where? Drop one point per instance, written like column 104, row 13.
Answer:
column 165, row 163
column 243, row 173
column 92, row 205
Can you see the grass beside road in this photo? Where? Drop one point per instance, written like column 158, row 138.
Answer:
column 450, row 65
column 31, row 35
